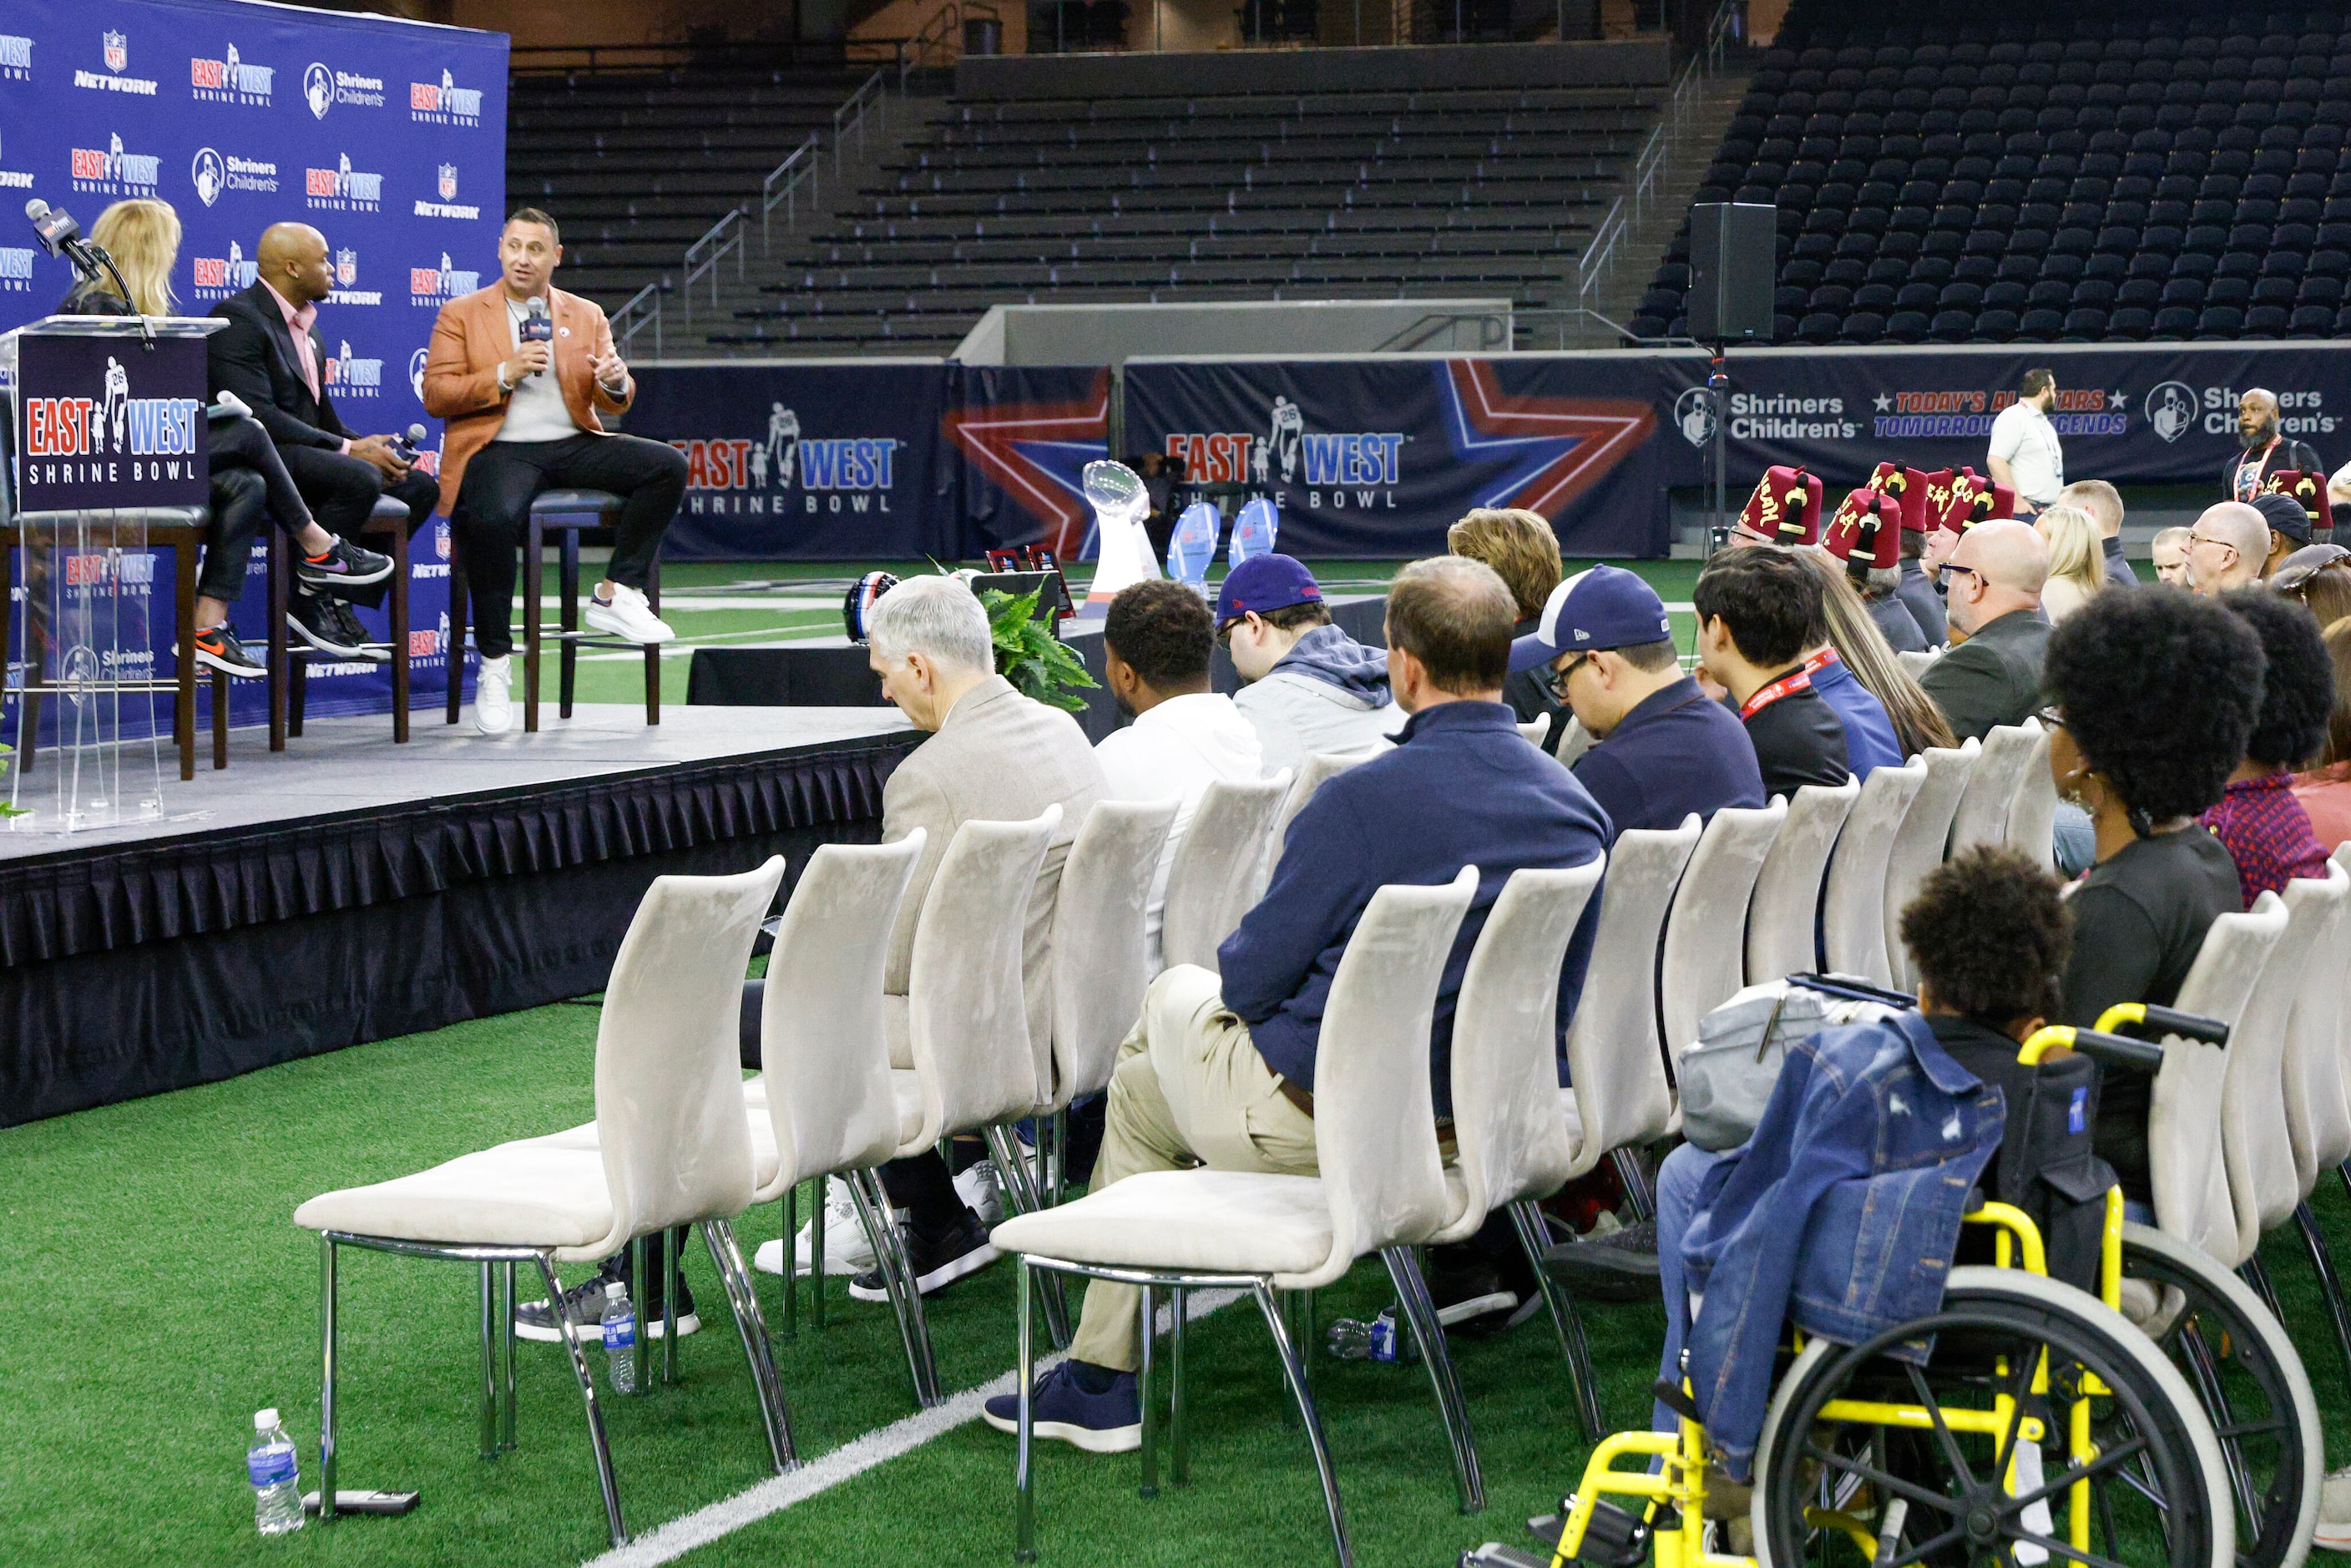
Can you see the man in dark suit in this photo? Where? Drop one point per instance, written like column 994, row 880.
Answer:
column 1992, row 677
column 273, row 357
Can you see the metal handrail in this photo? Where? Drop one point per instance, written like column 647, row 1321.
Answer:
column 943, row 32
column 870, row 94
column 643, row 309
column 717, row 243
column 804, row 167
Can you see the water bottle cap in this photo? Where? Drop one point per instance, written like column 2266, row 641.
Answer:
column 615, row 1292
column 264, row 1419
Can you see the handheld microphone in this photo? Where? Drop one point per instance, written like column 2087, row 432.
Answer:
column 406, row 445
column 536, row 328
column 53, row 227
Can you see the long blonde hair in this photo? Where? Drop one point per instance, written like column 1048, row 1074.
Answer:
column 1917, row 722
column 2076, row 552
column 143, row 236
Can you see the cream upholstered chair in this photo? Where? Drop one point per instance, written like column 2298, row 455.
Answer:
column 1619, row 1094
column 671, row 1148
column 1916, row 662
column 1783, row 920
column 1919, row 845
column 1536, row 729
column 1219, row 867
column 2033, row 812
column 975, row 1068
column 1706, row 933
column 1380, row 1184
column 2187, row 1167
column 1100, row 968
column 1319, row 770
column 2317, row 1111
column 1575, row 742
column 826, row 1102
column 1511, row 1147
column 1853, row 914
column 1982, row 816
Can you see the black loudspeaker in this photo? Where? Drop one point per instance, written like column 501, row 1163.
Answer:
column 1732, row 266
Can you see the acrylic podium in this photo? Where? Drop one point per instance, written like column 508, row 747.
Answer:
column 107, row 461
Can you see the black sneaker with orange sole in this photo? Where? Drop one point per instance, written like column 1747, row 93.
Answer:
column 218, row 649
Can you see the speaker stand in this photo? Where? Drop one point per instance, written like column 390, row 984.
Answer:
column 1718, row 386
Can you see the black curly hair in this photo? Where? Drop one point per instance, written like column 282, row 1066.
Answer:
column 2297, row 677
column 1990, row 936
column 1163, row 630
column 2160, row 691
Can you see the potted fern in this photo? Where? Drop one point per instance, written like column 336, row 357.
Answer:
column 1028, row 654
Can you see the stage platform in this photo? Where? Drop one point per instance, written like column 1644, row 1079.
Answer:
column 349, row 889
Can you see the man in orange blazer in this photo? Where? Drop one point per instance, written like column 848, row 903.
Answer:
column 522, row 373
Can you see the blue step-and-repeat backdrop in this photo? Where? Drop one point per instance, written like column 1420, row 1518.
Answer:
column 389, row 137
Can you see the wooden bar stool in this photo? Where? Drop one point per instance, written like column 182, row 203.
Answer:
column 288, row 666
column 569, row 513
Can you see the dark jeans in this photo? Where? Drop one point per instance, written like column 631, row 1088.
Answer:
column 342, row 493
column 493, row 512
column 239, row 498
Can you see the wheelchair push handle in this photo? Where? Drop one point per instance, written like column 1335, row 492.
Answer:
column 2116, row 1050
column 2146, row 1021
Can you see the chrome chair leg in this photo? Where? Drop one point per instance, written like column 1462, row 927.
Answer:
column 718, row 1236
column 1024, row 1475
column 641, row 1382
column 2254, row 1274
column 1021, row 1193
column 490, row 1391
column 506, row 1404
column 1637, row 1183
column 580, row 1369
column 2330, row 1285
column 1452, row 1409
column 673, row 1277
column 816, row 1254
column 1179, row 1457
column 1526, row 1218
column 912, row 1331
column 1150, row 1311
column 790, row 1324
column 1295, row 1375
column 326, row 1305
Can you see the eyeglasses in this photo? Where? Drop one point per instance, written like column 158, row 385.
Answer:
column 1559, row 678
column 2052, row 718
column 1225, row 634
column 1951, row 566
column 2195, row 538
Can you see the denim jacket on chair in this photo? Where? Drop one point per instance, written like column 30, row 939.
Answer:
column 1841, row 1212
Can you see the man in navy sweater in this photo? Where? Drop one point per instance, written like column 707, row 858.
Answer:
column 1222, row 1073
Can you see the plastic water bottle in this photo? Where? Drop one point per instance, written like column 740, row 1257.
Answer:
column 275, row 1471
column 620, row 1340
column 1353, row 1339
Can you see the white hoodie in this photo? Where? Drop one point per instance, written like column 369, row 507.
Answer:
column 1174, row 751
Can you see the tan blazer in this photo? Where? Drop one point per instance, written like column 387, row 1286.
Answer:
column 471, row 338
column 999, row 757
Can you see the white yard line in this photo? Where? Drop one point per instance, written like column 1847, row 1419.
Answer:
column 670, row 1542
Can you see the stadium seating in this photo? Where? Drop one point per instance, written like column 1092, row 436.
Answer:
column 2083, row 171
column 636, row 165
column 1344, row 195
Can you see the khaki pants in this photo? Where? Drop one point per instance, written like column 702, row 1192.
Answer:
column 1190, row 1089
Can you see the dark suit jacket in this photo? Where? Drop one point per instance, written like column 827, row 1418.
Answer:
column 254, row 358
column 1992, row 678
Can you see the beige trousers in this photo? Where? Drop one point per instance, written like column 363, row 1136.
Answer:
column 1190, row 1089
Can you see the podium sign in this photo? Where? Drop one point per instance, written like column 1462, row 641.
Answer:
column 110, row 422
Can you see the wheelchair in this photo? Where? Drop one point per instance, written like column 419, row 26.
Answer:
column 2044, row 1427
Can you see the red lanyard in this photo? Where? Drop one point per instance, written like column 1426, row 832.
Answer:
column 1794, row 681
column 2248, row 487
column 1822, row 660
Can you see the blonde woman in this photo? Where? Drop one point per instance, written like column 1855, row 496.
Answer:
column 143, row 236
column 1524, row 553
column 1855, row 633
column 2078, row 563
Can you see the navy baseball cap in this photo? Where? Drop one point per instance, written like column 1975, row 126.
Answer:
column 2284, row 513
column 1265, row 584
column 1604, row 608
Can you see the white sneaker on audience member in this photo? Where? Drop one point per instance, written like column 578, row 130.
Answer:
column 627, row 616
column 846, row 1249
column 2335, row 1512
column 983, row 1190
column 494, row 696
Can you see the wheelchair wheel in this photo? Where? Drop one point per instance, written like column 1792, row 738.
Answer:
column 2155, row 1491
column 2251, row 1381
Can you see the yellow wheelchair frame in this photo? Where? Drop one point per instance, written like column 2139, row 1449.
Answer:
column 1681, row 1481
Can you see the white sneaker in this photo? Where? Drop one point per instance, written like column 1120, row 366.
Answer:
column 846, row 1249
column 982, row 1189
column 627, row 616
column 494, row 696
column 2334, row 1513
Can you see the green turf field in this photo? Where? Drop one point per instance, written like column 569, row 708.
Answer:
column 722, row 605
column 166, row 1295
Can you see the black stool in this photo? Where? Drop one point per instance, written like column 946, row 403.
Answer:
column 569, row 513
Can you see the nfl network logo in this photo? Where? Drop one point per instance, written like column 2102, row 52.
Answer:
column 448, row 185
column 318, row 89
column 16, row 58
column 118, row 51
column 347, row 267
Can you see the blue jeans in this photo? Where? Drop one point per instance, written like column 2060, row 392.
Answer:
column 2075, row 840
column 1678, row 1178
